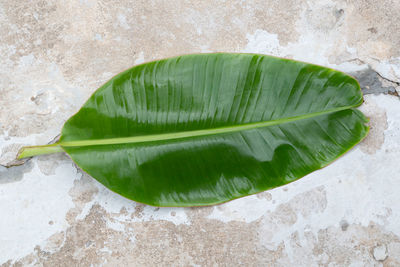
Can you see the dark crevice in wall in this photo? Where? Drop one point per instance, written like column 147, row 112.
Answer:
column 372, row 82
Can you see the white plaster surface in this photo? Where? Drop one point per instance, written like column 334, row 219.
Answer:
column 54, row 54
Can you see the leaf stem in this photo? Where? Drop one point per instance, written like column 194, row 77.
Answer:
column 30, row 151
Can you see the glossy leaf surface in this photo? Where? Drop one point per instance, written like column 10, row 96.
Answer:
column 204, row 129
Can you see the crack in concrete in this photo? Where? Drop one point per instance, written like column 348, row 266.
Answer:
column 395, row 92
column 372, row 82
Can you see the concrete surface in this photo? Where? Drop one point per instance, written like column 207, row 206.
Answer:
column 54, row 54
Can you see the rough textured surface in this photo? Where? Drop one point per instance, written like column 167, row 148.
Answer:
column 54, row 54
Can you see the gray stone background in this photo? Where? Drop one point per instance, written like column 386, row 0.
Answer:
column 54, row 54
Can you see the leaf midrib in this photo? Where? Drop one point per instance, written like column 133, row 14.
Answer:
column 195, row 133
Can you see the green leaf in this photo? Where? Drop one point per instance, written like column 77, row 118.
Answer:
column 204, row 129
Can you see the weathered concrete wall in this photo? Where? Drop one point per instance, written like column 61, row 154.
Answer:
column 54, row 54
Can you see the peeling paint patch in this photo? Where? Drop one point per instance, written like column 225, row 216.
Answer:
column 30, row 204
column 14, row 174
column 92, row 241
